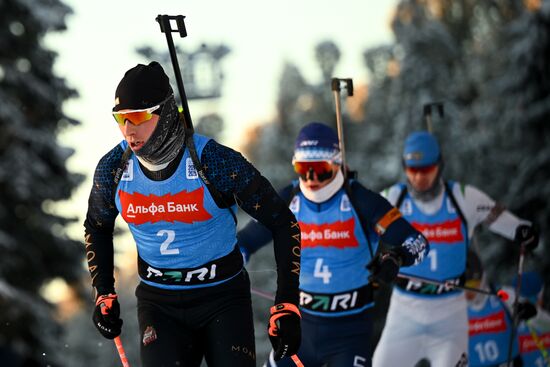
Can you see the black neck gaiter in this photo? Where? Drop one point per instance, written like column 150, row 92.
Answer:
column 167, row 139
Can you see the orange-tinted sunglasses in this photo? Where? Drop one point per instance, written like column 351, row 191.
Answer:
column 136, row 117
column 423, row 170
column 323, row 169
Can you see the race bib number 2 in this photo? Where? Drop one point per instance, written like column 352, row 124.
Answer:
column 170, row 237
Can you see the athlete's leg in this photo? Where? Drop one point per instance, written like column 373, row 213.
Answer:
column 287, row 361
column 164, row 340
column 447, row 340
column 229, row 338
column 355, row 359
column 401, row 342
column 348, row 340
column 227, row 330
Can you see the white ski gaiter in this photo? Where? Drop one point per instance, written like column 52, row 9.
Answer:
column 325, row 193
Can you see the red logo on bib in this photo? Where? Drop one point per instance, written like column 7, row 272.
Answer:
column 338, row 234
column 447, row 232
column 186, row 207
column 494, row 323
column 527, row 344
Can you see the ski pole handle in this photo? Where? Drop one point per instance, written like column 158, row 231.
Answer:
column 335, row 86
column 339, row 126
column 297, row 361
column 428, row 113
column 166, row 28
column 121, row 352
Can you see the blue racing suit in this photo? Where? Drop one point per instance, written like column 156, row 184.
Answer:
column 194, row 295
column 339, row 238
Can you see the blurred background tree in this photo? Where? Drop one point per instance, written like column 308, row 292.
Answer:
column 34, row 248
column 488, row 63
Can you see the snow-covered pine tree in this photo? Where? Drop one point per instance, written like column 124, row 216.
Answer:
column 34, row 248
column 514, row 107
column 488, row 63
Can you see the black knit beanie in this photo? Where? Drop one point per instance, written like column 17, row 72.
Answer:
column 142, row 86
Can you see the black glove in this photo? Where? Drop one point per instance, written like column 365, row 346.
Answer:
column 106, row 316
column 384, row 267
column 526, row 310
column 285, row 333
column 527, row 236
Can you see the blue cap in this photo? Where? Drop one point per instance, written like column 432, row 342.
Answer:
column 317, row 142
column 531, row 285
column 421, row 149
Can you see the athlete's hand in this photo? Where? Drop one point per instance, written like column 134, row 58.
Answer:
column 285, row 333
column 526, row 310
column 527, row 236
column 106, row 316
column 384, row 267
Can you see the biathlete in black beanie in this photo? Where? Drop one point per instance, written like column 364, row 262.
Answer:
column 194, row 293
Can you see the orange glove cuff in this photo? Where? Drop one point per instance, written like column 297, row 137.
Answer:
column 105, row 301
column 278, row 311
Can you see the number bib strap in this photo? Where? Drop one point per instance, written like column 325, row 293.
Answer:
column 428, row 289
column 212, row 272
column 339, row 302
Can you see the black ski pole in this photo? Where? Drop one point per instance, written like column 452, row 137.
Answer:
column 427, row 113
column 502, row 294
column 515, row 315
column 335, row 86
column 166, row 28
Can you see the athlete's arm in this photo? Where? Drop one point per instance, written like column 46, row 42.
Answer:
column 100, row 221
column 233, row 175
column 388, row 223
column 480, row 208
column 254, row 235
